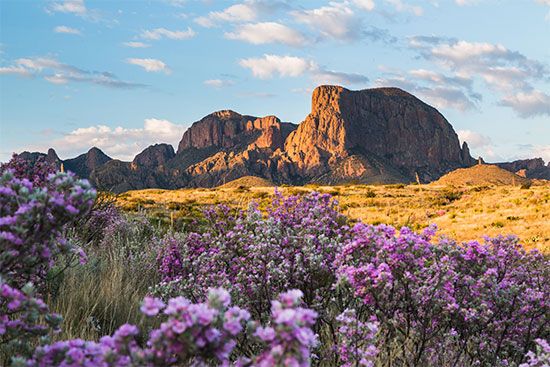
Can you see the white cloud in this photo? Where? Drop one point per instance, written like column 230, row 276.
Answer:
column 134, row 44
column 547, row 3
column 176, row 3
column 500, row 67
column 159, row 33
column 244, row 12
column 56, row 79
column 269, row 65
column 364, row 4
column 41, row 63
column 274, row 65
column 336, row 20
column 542, row 151
column 528, row 104
column 435, row 77
column 16, row 70
column 150, row 65
column 322, row 76
column 56, row 72
column 466, row 2
column 218, row 83
column 69, row 6
column 447, row 97
column 437, row 89
column 475, row 140
column 509, row 73
column 400, row 6
column 74, row 7
column 66, row 30
column 267, row 32
column 117, row 142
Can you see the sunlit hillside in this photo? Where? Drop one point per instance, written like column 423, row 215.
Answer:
column 464, row 213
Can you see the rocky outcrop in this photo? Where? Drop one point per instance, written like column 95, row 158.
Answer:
column 386, row 124
column 84, row 164
column 526, row 164
column 51, row 157
column 530, row 168
column 465, row 156
column 227, row 130
column 154, row 157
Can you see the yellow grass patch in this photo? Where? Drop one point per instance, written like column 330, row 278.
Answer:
column 463, row 213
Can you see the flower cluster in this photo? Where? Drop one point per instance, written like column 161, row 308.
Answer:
column 32, row 219
column 289, row 338
column 539, row 358
column 356, row 340
column 442, row 302
column 36, row 171
column 23, row 317
column 197, row 334
column 258, row 257
column 31, row 222
column 120, row 350
column 202, row 332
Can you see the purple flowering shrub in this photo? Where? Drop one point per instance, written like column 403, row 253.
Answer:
column 356, row 345
column 256, row 257
column 540, row 357
column 289, row 339
column 365, row 296
column 32, row 219
column 23, row 318
column 36, row 171
column 443, row 304
column 194, row 334
column 31, row 223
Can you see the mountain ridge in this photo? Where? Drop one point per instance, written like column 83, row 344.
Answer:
column 378, row 135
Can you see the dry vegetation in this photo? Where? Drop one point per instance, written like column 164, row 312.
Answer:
column 462, row 212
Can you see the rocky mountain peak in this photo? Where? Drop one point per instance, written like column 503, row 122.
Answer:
column 85, row 163
column 228, row 129
column 387, row 123
column 154, row 156
column 52, row 156
column 225, row 114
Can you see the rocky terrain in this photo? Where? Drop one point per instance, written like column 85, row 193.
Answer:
column 382, row 135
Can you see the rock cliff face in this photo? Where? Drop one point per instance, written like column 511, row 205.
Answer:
column 153, row 157
column 228, row 129
column 386, row 124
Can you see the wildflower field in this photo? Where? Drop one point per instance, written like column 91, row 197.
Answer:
column 290, row 282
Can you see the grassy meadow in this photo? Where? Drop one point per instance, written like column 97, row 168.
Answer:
column 461, row 212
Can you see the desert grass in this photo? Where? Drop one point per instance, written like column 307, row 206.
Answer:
column 98, row 297
column 461, row 212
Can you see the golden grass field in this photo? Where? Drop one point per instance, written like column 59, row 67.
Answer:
column 463, row 213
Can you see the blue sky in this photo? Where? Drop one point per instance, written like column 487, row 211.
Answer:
column 122, row 75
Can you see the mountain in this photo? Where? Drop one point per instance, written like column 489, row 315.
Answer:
column 50, row 157
column 84, row 164
column 381, row 135
column 530, row 168
column 226, row 145
column 384, row 132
